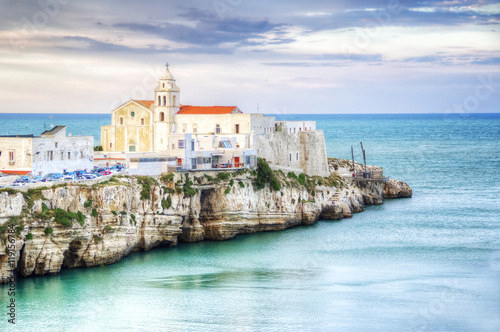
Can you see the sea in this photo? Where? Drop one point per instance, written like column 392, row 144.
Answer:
column 427, row 263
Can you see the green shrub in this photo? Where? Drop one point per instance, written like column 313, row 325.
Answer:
column 320, row 183
column 179, row 190
column 108, row 229
column 231, row 183
column 114, row 213
column 188, row 189
column 292, row 175
column 19, row 229
column 166, row 203
column 223, row 176
column 44, row 208
column 146, row 182
column 265, row 175
column 169, row 177
column 88, row 203
column 208, row 177
column 302, row 179
column 241, row 184
column 132, row 216
column 29, row 236
column 94, row 213
column 227, row 191
column 48, row 230
column 97, row 238
column 61, row 217
column 80, row 217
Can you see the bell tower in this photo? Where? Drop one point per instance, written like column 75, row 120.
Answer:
column 167, row 104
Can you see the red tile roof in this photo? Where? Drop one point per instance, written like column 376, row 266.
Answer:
column 188, row 109
column 145, row 103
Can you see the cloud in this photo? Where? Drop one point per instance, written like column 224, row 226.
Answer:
column 206, row 29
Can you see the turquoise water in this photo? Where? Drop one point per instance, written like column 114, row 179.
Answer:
column 422, row 264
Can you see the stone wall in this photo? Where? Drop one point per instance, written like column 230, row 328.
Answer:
column 304, row 151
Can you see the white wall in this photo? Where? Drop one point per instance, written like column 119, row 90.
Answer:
column 80, row 149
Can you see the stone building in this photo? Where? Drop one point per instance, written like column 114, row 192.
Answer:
column 207, row 137
column 51, row 152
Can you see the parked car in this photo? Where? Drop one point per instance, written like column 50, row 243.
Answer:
column 88, row 176
column 73, row 174
column 37, row 179
column 103, row 173
column 68, row 178
column 18, row 184
column 51, row 177
column 1, row 174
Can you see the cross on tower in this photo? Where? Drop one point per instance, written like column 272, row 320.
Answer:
column 167, row 65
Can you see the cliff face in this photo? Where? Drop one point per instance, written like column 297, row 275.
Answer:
column 132, row 214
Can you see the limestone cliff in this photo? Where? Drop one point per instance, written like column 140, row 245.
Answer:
column 70, row 226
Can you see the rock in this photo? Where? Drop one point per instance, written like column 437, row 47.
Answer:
column 118, row 222
column 397, row 189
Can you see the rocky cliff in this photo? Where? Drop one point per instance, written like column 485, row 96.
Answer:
column 68, row 226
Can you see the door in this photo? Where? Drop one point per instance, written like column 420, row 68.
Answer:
column 236, row 161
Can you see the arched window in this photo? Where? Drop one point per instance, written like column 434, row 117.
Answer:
column 121, row 121
column 142, row 121
column 162, row 117
column 159, row 100
column 175, row 98
column 164, row 100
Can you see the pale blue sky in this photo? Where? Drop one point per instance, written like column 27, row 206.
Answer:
column 67, row 56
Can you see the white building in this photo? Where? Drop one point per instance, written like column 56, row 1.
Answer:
column 204, row 137
column 51, row 152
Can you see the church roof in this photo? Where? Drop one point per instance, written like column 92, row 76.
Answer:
column 145, row 103
column 188, row 109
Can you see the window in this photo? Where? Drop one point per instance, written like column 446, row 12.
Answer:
column 237, row 129
column 131, row 148
column 181, row 144
column 290, row 157
column 207, row 160
column 184, row 127
column 121, row 121
column 195, row 128
column 164, row 100
column 142, row 121
column 81, row 154
column 159, row 100
column 11, row 156
column 163, row 84
column 192, row 145
column 175, row 100
column 162, row 117
column 110, row 145
column 217, row 129
column 193, row 163
column 62, row 155
column 69, row 155
column 51, row 155
column 297, row 157
column 132, row 114
column 56, row 144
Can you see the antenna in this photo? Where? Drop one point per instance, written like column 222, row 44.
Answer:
column 364, row 157
column 353, row 168
column 258, row 108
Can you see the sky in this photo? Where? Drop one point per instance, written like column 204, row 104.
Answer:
column 274, row 57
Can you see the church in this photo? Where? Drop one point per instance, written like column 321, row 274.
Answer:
column 206, row 137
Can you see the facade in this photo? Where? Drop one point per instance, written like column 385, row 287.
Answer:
column 162, row 131
column 51, row 152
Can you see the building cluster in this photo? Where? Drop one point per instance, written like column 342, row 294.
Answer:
column 160, row 135
column 51, row 152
